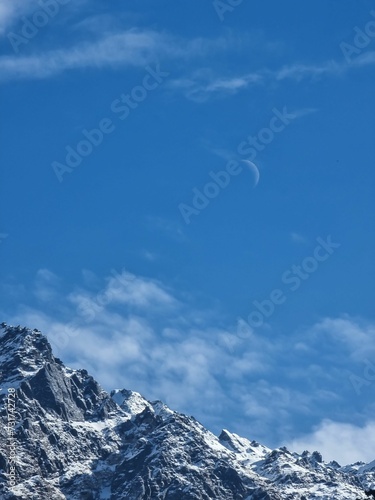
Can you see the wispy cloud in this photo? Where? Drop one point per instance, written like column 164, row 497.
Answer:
column 358, row 338
column 203, row 84
column 150, row 256
column 46, row 285
column 299, row 72
column 167, row 226
column 299, row 113
column 130, row 48
column 11, row 11
column 139, row 47
column 345, row 443
column 136, row 332
column 365, row 59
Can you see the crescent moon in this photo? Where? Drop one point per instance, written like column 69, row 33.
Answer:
column 254, row 169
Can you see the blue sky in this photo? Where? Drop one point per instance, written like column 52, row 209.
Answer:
column 187, row 206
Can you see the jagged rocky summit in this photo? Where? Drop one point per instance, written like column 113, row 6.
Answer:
column 72, row 440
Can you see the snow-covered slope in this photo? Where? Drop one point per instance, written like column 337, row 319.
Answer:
column 75, row 441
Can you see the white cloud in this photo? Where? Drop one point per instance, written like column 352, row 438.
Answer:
column 13, row 10
column 139, row 47
column 203, row 84
column 357, row 337
column 299, row 72
column 140, row 292
column 123, row 289
column 133, row 332
column 275, row 398
column 343, row 442
column 129, row 48
column 46, row 284
column 365, row 59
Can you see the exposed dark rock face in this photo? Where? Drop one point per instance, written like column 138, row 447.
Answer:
column 75, row 441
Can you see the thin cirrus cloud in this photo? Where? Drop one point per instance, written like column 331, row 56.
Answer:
column 139, row 47
column 202, row 84
column 140, row 335
column 46, row 285
column 132, row 47
column 11, row 11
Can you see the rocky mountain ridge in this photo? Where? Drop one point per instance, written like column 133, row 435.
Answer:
column 72, row 440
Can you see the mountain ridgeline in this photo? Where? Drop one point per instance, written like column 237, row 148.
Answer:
column 63, row 437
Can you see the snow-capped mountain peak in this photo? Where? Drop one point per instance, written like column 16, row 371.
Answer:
column 75, row 441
